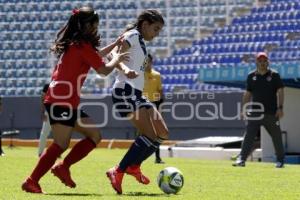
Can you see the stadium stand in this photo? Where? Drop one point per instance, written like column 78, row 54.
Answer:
column 273, row 28
column 28, row 27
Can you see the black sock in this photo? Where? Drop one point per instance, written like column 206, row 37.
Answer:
column 138, row 148
column 146, row 154
column 1, row 151
column 157, row 154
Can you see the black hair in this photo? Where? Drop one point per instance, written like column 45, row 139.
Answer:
column 75, row 30
column 150, row 16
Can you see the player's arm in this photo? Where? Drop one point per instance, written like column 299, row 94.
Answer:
column 107, row 49
column 247, row 95
column 280, row 95
column 121, row 66
column 246, row 99
column 91, row 56
column 114, row 62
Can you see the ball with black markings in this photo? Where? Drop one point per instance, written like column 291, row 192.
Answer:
column 170, row 180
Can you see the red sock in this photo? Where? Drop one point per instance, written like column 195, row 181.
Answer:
column 119, row 170
column 46, row 161
column 79, row 151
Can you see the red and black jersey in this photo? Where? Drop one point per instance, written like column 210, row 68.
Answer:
column 70, row 73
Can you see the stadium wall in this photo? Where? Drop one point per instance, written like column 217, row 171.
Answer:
column 194, row 115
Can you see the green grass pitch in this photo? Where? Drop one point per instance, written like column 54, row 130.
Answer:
column 215, row 180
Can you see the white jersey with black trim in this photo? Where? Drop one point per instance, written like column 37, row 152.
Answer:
column 137, row 61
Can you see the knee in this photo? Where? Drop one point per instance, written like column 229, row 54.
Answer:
column 164, row 134
column 63, row 144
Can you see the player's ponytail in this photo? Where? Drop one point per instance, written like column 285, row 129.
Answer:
column 130, row 26
column 75, row 30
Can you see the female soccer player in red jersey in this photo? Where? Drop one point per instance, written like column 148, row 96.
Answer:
column 129, row 102
column 76, row 47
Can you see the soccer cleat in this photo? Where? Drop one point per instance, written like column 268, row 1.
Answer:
column 159, row 161
column 31, row 186
column 63, row 173
column 279, row 165
column 135, row 170
column 239, row 163
column 115, row 178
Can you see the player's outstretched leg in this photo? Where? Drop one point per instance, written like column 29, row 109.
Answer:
column 46, row 161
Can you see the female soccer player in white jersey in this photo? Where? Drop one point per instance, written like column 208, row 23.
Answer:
column 129, row 102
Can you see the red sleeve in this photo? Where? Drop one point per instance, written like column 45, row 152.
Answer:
column 91, row 56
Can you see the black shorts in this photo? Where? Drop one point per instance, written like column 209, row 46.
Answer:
column 128, row 100
column 64, row 115
column 157, row 103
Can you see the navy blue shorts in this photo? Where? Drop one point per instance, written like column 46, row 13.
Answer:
column 128, row 100
column 157, row 103
column 64, row 115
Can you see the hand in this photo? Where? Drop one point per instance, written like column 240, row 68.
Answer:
column 109, row 56
column 131, row 74
column 120, row 57
column 279, row 113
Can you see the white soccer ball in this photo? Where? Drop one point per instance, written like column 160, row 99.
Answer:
column 170, row 180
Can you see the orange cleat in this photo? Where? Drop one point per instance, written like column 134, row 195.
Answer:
column 31, row 186
column 63, row 173
column 135, row 170
column 115, row 178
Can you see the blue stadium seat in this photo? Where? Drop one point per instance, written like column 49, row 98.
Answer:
column 11, row 82
column 10, row 92
column 38, row 91
column 2, row 91
column 21, row 82
column 2, row 74
column 31, row 82
column 20, row 91
column 30, row 91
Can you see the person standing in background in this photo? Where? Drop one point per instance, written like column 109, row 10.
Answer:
column 154, row 93
column 265, row 87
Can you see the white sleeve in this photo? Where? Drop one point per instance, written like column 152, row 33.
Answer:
column 132, row 38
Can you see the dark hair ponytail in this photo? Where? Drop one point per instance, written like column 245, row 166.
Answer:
column 75, row 30
column 130, row 26
column 150, row 16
